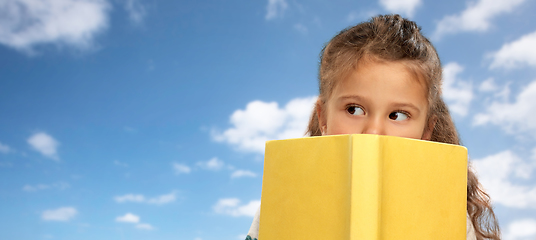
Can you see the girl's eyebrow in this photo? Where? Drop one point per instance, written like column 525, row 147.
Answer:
column 394, row 105
column 407, row 105
column 352, row 97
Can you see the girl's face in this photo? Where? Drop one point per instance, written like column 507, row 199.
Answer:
column 382, row 98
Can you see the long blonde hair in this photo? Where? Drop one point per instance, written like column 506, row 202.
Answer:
column 393, row 38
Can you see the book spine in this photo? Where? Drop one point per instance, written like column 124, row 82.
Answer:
column 366, row 186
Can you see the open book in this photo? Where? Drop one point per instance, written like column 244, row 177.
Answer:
column 364, row 187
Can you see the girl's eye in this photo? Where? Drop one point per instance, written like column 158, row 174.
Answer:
column 398, row 116
column 355, row 110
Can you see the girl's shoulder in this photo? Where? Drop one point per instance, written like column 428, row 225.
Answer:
column 253, row 232
column 249, row 238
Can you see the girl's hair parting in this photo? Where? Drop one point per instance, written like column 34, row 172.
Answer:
column 391, row 38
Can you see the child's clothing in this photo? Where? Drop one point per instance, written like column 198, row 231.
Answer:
column 253, row 233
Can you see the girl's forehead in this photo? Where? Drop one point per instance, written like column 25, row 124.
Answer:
column 384, row 81
column 403, row 66
column 410, row 69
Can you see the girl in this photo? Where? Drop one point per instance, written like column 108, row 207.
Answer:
column 384, row 77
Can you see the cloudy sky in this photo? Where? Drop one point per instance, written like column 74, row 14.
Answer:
column 144, row 119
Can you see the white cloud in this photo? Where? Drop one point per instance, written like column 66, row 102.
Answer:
column 144, row 226
column 523, row 229
column 139, row 198
column 134, row 219
column 497, row 174
column 45, row 144
column 488, row 85
column 27, row 23
column 301, row 28
column 243, row 173
column 130, row 198
column 476, row 17
column 163, row 199
column 262, row 121
column 61, row 214
column 516, row 54
column 456, row 92
column 181, row 168
column 213, row 164
column 512, row 117
column 499, row 92
column 30, row 188
column 37, row 187
column 4, row 148
column 136, row 11
column 128, row 218
column 232, row 207
column 275, row 8
column 405, row 7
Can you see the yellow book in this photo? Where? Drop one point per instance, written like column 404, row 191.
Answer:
column 365, row 187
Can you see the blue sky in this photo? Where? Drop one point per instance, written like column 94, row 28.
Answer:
column 133, row 119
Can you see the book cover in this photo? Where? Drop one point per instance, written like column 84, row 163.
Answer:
column 363, row 187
